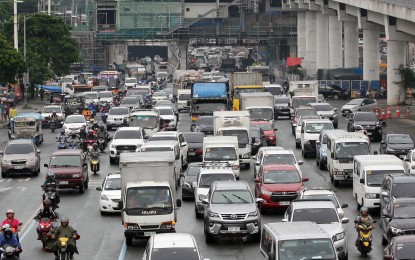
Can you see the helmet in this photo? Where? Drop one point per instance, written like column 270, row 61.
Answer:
column 47, row 202
column 82, row 128
column 12, row 119
column 95, row 146
column 9, row 250
column 90, row 131
column 364, row 210
column 5, row 226
column 62, row 131
column 95, row 123
column 9, row 211
column 91, row 120
column 102, row 127
column 64, row 220
column 8, row 233
column 50, row 175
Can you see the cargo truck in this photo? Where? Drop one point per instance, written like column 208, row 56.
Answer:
column 148, row 197
column 259, row 105
column 244, row 82
column 303, row 93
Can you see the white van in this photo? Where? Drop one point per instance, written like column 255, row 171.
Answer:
column 183, row 96
column 310, row 131
column 368, row 174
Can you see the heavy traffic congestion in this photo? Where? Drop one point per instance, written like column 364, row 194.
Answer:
column 223, row 161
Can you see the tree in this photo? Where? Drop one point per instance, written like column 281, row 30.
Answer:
column 407, row 81
column 12, row 64
column 50, row 47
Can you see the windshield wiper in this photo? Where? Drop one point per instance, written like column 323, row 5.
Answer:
column 227, row 199
column 243, row 200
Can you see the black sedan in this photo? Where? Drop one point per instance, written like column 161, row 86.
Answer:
column 190, row 176
column 396, row 144
column 258, row 139
column 368, row 122
column 194, row 141
column 332, row 91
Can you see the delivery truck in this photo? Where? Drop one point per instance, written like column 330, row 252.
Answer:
column 259, row 105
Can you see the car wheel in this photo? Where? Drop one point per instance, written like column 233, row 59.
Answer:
column 112, row 160
column 335, row 126
column 36, row 173
column 321, row 166
column 384, row 240
column 129, row 241
column 86, row 183
column 247, row 166
column 3, row 174
column 297, row 145
column 256, row 237
column 102, row 213
column 275, row 117
column 336, row 183
column 82, row 188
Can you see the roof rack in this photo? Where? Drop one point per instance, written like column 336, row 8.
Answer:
column 218, row 164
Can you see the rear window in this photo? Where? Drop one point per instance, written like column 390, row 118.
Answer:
column 118, row 111
column 65, row 161
column 194, row 138
column 175, row 253
column 19, row 149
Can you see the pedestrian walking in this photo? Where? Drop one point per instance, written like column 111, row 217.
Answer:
column 12, row 112
column 3, row 110
column 41, row 93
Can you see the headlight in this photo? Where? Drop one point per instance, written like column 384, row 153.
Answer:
column 104, row 197
column 6, row 161
column 396, row 231
column 266, row 192
column 202, row 197
column 338, row 236
column 112, row 146
column 323, row 150
column 253, row 214
column 370, row 195
column 272, row 135
column 213, row 215
column 76, row 176
column 186, row 184
column 235, row 167
column 246, row 156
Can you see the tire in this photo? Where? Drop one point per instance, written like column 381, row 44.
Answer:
column 297, row 145
column 384, row 241
column 102, row 213
column 275, row 117
column 255, row 238
column 63, row 256
column 321, row 166
column 112, row 160
column 336, row 183
column 3, row 174
column 198, row 215
column 248, row 166
column 129, row 241
column 335, row 126
column 82, row 188
column 86, row 183
column 36, row 173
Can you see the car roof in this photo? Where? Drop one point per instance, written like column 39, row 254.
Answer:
column 54, row 106
column 279, row 166
column 75, row 116
column 312, row 204
column 230, row 185
column 114, row 176
column 278, row 151
column 403, row 178
column 406, row 238
column 166, row 133
column 129, row 128
column 173, row 240
column 163, row 143
column 20, row 141
column 163, row 107
column 321, row 103
column 67, row 152
column 387, row 135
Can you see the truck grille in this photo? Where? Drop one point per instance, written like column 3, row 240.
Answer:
column 18, row 162
column 233, row 216
column 64, row 176
column 283, row 196
column 149, row 226
column 126, row 148
column 312, row 143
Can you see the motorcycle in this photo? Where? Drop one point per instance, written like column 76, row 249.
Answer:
column 73, row 145
column 44, row 226
column 104, row 116
column 82, row 145
column 62, row 144
column 3, row 251
column 101, row 144
column 89, row 144
column 94, row 164
column 364, row 240
column 52, row 125
column 105, row 108
column 63, row 243
column 50, row 193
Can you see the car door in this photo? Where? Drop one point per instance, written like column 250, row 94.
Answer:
column 184, row 148
column 384, row 221
column 407, row 164
column 385, row 187
column 84, row 167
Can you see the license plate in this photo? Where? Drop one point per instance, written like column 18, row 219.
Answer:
column 284, row 203
column 234, row 229
column 18, row 167
column 149, row 234
column 369, row 133
column 63, row 182
column 192, row 153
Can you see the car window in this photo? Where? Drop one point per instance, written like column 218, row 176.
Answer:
column 128, row 134
column 231, row 197
column 19, row 149
column 318, row 215
column 65, row 161
column 113, row 184
column 207, row 179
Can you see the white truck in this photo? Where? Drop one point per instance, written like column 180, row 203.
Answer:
column 341, row 148
column 368, row 174
column 260, row 106
column 223, row 149
column 183, row 96
column 148, row 198
column 302, row 93
column 245, row 79
column 310, row 131
column 235, row 123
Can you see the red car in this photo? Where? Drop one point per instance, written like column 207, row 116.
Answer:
column 278, row 185
column 269, row 131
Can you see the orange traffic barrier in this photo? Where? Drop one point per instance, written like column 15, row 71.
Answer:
column 389, row 114
column 398, row 112
column 383, row 113
column 377, row 113
column 407, row 112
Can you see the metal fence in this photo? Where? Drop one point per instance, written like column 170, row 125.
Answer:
column 403, row 3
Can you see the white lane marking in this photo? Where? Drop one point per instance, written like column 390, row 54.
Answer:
column 27, row 230
column 22, row 188
column 5, row 189
column 123, row 251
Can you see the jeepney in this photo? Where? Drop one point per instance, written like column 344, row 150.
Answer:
column 28, row 126
column 71, row 103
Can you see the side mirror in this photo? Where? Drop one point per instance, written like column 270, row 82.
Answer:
column 46, row 165
column 259, row 200
column 335, row 109
column 1, row 152
column 345, row 220
column 332, row 155
column 183, row 144
column 178, row 203
column 194, row 185
column 284, row 220
column 205, row 201
column 38, row 152
column 350, row 119
column 318, row 143
column 406, row 159
column 362, row 181
column 257, row 180
column 85, row 165
column 384, row 194
column 386, row 215
column 99, row 188
column 257, row 163
column 300, row 162
column 383, row 143
column 305, row 179
column 120, row 204
column 345, row 205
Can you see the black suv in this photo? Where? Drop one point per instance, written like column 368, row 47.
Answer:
column 397, row 185
column 396, row 144
column 282, row 106
column 366, row 121
column 398, row 218
column 332, row 91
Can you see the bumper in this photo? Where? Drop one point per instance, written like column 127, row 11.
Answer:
column 70, row 183
column 341, row 247
column 343, row 176
column 187, row 192
column 268, row 203
column 108, row 206
column 371, row 203
column 271, row 141
column 146, row 233
column 400, row 154
column 282, row 112
column 245, row 161
column 220, row 228
column 194, row 157
column 114, row 123
column 18, row 168
column 310, row 148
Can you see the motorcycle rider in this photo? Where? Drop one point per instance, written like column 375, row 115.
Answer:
column 52, row 183
column 102, row 133
column 9, row 254
column 64, row 230
column 8, row 238
column 363, row 218
column 92, row 107
column 91, row 136
column 54, row 116
column 46, row 212
column 10, row 127
column 73, row 140
column 12, row 221
column 62, row 136
column 82, row 136
column 95, row 126
column 94, row 151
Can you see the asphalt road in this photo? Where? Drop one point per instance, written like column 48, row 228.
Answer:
column 102, row 236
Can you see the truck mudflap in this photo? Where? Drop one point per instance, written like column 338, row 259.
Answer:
column 138, row 233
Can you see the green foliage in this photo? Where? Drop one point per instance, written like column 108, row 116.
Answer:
column 50, row 47
column 6, row 8
column 296, row 70
column 407, row 77
column 12, row 63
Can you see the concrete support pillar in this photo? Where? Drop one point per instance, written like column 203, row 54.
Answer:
column 371, row 54
column 311, row 47
column 335, row 43
column 301, row 34
column 396, row 57
column 351, row 44
column 322, row 24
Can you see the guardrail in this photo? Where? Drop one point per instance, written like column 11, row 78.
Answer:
column 403, row 3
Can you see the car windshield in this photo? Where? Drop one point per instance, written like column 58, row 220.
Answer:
column 246, row 90
column 148, row 198
column 157, row 149
column 205, row 121
column 317, row 215
column 279, row 159
column 375, row 177
column 323, row 107
column 315, row 128
column 365, row 117
column 220, row 154
column 175, row 253
column 263, row 126
column 184, row 97
column 255, row 132
column 242, row 135
column 348, row 150
column 322, row 197
column 274, row 90
column 306, row 249
column 65, row 161
column 51, row 109
column 165, row 111
column 19, row 149
column 118, row 111
column 207, row 179
column 105, row 94
column 281, row 176
column 193, row 171
column 404, row 211
column 91, row 95
column 131, row 81
column 306, row 112
column 406, row 190
column 400, row 139
column 75, row 120
column 163, row 138
column 194, row 138
column 405, row 250
column 160, row 94
column 147, row 122
column 231, row 197
column 129, row 101
column 282, row 101
column 209, row 107
column 354, row 102
column 296, row 102
column 113, row 184
column 128, row 134
column 261, row 114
